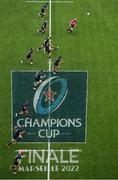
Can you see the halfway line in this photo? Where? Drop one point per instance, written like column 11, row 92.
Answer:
column 52, row 1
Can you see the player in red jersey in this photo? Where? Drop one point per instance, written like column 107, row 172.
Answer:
column 73, row 24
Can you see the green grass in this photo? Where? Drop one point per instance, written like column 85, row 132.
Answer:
column 93, row 46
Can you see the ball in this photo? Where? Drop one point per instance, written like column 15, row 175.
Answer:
column 88, row 13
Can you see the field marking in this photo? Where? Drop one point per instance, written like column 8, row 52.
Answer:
column 48, row 71
column 49, row 68
column 66, row 133
column 11, row 106
column 51, row 142
column 86, row 108
column 52, row 1
column 60, row 179
column 86, row 122
column 31, row 133
column 65, row 179
column 40, row 150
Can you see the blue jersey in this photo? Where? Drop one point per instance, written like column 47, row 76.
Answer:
column 44, row 25
column 25, row 107
column 17, row 159
column 39, row 76
column 46, row 41
column 29, row 54
column 17, row 132
column 57, row 61
column 44, row 7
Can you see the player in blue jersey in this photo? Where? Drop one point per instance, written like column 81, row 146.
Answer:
column 39, row 76
column 42, row 11
column 25, row 109
column 47, row 46
column 44, row 44
column 29, row 56
column 50, row 47
column 17, row 135
column 16, row 163
column 56, row 64
column 43, row 27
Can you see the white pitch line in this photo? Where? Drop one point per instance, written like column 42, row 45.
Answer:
column 31, row 133
column 52, row 1
column 66, row 133
column 49, row 59
column 46, row 150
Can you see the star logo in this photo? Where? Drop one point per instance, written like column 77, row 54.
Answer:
column 49, row 95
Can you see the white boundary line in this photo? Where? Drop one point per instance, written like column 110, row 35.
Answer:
column 86, row 108
column 52, row 1
column 63, row 179
column 45, row 150
column 35, row 70
column 11, row 106
column 49, row 59
column 86, row 116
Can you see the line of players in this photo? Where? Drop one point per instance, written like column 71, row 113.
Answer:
column 47, row 47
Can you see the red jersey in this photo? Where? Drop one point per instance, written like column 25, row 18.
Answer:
column 73, row 22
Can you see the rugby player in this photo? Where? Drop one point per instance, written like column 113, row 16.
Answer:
column 39, row 76
column 43, row 27
column 49, row 47
column 16, row 163
column 25, row 109
column 56, row 64
column 73, row 24
column 44, row 44
column 17, row 135
column 29, row 56
column 42, row 11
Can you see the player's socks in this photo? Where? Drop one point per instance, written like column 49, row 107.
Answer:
column 34, row 88
column 56, row 48
column 69, row 30
column 54, row 72
column 8, row 145
column 21, row 61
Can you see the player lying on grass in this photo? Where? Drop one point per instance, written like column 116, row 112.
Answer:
column 29, row 56
column 73, row 24
column 56, row 64
column 42, row 11
column 39, row 76
column 25, row 109
column 43, row 27
column 16, row 163
column 17, row 135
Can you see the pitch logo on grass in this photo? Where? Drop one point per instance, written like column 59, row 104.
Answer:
column 63, row 160
column 46, row 100
column 57, row 109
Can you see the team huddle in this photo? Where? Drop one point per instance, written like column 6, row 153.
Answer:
column 48, row 48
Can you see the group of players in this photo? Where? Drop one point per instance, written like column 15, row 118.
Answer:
column 39, row 76
column 46, row 45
